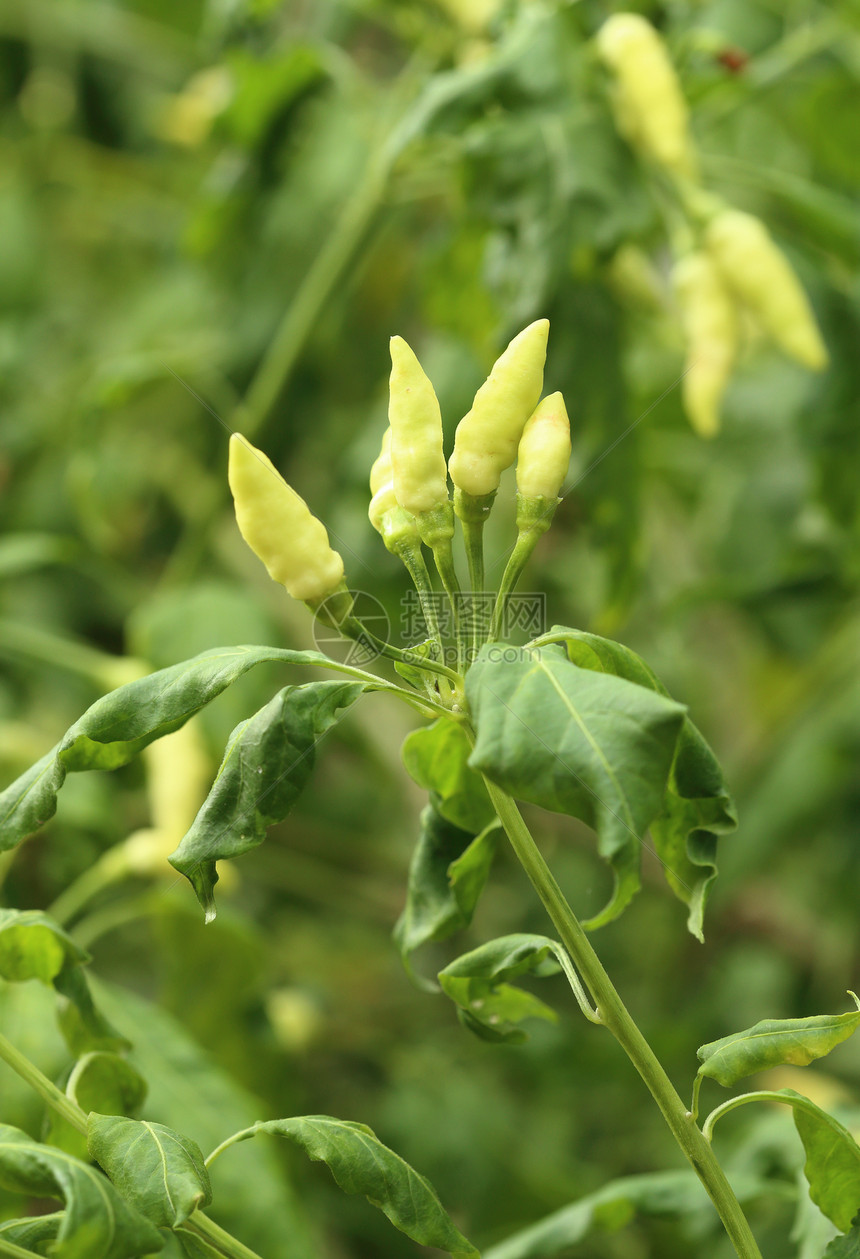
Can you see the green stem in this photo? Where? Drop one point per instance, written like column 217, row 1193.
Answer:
column 443, row 558
column 413, row 561
column 617, row 1019
column 218, row 1237
column 104, row 873
column 525, row 545
column 303, row 311
column 798, row 1102
column 46, row 1089
column 233, row 1140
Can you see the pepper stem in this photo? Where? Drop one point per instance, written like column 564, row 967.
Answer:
column 534, row 517
column 472, row 510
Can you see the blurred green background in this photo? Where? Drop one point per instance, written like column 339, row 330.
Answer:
column 212, row 216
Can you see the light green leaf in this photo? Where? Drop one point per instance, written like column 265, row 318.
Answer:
column 107, row 1083
column 97, row 1223
column 832, row 1162
column 33, row 1234
column 157, row 1170
column 588, row 744
column 774, row 1043
column 33, row 946
column 436, row 757
column 660, row 1194
column 697, row 806
column 446, row 877
column 486, row 1003
column 360, row 1163
column 267, row 763
column 119, row 725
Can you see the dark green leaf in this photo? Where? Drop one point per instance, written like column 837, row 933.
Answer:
column 114, row 729
column 254, row 1198
column 446, row 877
column 588, row 744
column 360, row 1163
column 697, row 806
column 33, row 946
column 660, row 1194
column 847, row 1247
column 157, row 1170
column 97, row 1223
column 774, row 1043
column 832, row 1165
column 267, row 763
column 487, row 1004
column 436, row 757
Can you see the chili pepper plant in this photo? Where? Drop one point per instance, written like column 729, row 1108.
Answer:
column 572, row 722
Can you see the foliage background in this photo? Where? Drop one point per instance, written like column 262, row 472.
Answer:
column 213, row 215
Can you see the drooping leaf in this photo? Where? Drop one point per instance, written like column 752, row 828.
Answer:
column 446, row 877
column 660, row 1194
column 436, row 757
column 119, row 725
column 588, row 744
column 267, row 763
column 697, row 806
column 33, row 946
column 774, row 1043
column 477, row 982
column 34, row 1234
column 97, row 1223
column 360, row 1163
column 832, row 1165
column 845, row 1247
column 107, row 1083
column 157, row 1170
column 254, row 1197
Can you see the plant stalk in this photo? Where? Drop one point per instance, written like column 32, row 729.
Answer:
column 618, row 1020
column 40, row 1083
column 218, row 1237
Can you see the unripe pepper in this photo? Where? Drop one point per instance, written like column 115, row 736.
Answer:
column 649, row 106
column 279, row 528
column 758, row 272
column 487, row 437
column 417, row 457
column 710, row 324
column 544, row 450
column 396, row 527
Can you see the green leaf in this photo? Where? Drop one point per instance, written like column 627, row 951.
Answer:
column 157, row 1170
column 119, row 725
column 592, row 745
column 194, row 1247
column 360, row 1163
column 446, row 877
column 486, row 1003
column 847, row 1247
column 33, row 1234
column 106, row 1083
column 267, row 763
column 660, row 1194
column 697, row 806
column 832, row 1165
column 774, row 1043
column 436, row 757
column 254, row 1197
column 33, row 946
column 97, row 1223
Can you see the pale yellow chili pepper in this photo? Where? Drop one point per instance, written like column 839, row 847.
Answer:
column 487, row 437
column 709, row 320
column 279, row 528
column 417, row 457
column 544, row 450
column 649, row 106
column 757, row 272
